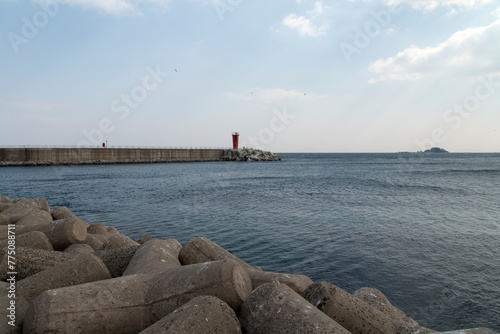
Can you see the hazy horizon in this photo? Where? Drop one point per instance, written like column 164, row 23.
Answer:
column 353, row 76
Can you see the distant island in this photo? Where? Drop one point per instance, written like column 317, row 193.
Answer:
column 431, row 150
column 435, row 150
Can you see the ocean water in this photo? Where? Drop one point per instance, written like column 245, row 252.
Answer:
column 423, row 229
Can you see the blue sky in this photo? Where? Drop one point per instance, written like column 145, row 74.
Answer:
column 290, row 76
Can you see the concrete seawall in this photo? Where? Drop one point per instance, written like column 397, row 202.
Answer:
column 80, row 156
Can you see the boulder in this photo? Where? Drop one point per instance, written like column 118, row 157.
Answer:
column 203, row 314
column 275, row 308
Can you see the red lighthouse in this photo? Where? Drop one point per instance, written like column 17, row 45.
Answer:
column 235, row 140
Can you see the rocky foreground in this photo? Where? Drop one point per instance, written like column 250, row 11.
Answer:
column 249, row 154
column 75, row 277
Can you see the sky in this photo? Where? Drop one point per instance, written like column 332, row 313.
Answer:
column 289, row 76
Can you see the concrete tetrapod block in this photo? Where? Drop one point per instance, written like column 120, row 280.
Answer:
column 297, row 283
column 118, row 241
column 62, row 212
column 43, row 204
column 4, row 220
column 203, row 314
column 33, row 239
column 78, row 249
column 31, row 261
column 98, row 228
column 20, row 208
column 153, row 255
column 117, row 260
column 276, row 308
column 132, row 303
column 110, row 306
column 94, row 241
column 67, row 232
column 378, row 300
column 351, row 312
column 81, row 269
column 169, row 289
column 200, row 250
column 13, row 314
column 35, row 217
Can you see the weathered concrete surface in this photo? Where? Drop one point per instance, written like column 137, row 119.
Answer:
column 132, row 303
column 117, row 260
column 19, row 208
column 119, row 241
column 74, row 156
column 378, row 300
column 33, row 239
column 154, row 255
column 31, row 261
column 351, row 312
column 98, row 228
column 109, row 306
column 203, row 314
column 79, row 249
column 66, row 232
column 81, row 269
column 35, row 217
column 275, row 308
column 469, row 331
column 174, row 287
column 200, row 250
column 297, row 283
column 62, row 212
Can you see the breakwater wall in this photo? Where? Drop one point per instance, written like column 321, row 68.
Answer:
column 79, row 156
column 19, row 156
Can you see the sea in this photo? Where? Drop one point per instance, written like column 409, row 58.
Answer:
column 422, row 228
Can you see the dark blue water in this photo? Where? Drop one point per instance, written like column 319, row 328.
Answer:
column 423, row 229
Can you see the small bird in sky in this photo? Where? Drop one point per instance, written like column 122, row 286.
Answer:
column 176, row 70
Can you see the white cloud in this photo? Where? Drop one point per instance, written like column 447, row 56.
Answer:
column 429, row 5
column 304, row 25
column 472, row 51
column 276, row 95
column 113, row 7
column 496, row 13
